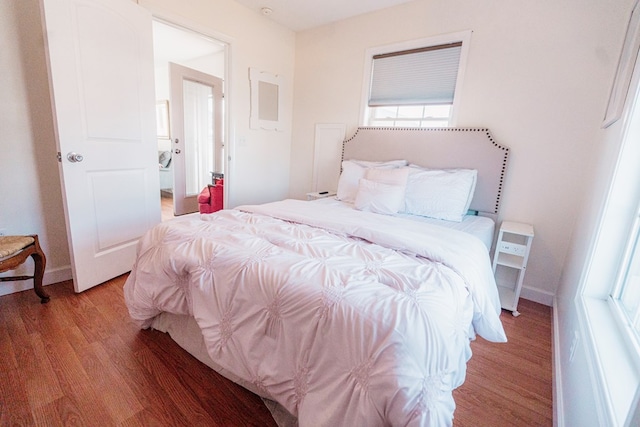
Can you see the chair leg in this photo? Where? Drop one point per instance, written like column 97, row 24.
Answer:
column 40, row 261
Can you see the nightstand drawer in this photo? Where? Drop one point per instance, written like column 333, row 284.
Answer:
column 512, row 248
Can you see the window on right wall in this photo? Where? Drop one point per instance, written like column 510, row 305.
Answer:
column 626, row 293
column 417, row 83
column 608, row 305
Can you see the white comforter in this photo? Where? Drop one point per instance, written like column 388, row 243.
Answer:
column 340, row 331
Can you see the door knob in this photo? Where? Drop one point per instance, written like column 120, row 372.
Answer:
column 74, row 157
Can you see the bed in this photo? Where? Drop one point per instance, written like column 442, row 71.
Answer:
column 351, row 310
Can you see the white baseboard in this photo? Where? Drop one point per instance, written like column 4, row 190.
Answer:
column 57, row 275
column 54, row 275
column 558, row 400
column 537, row 295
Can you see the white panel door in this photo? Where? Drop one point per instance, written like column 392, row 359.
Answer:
column 101, row 78
column 196, row 134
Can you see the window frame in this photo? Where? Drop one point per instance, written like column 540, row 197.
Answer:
column 612, row 356
column 628, row 245
column 463, row 37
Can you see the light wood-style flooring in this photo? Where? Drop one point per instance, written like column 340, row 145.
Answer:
column 79, row 360
column 166, row 206
column 510, row 384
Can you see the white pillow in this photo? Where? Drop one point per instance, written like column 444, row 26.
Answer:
column 379, row 198
column 348, row 182
column 397, row 176
column 440, row 194
column 353, row 171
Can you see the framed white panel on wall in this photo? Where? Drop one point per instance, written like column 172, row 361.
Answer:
column 327, row 156
column 266, row 110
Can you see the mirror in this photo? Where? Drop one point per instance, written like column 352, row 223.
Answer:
column 265, row 100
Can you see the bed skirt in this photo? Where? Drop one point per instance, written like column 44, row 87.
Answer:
column 185, row 332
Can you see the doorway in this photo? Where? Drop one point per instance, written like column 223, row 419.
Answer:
column 190, row 114
column 196, row 120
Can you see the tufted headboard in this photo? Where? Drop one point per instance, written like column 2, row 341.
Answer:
column 439, row 148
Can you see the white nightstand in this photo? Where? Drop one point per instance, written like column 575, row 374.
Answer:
column 510, row 262
column 320, row 195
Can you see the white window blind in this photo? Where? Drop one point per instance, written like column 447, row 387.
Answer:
column 425, row 76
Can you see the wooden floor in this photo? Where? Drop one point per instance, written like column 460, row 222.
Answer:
column 79, row 360
column 166, row 205
column 510, row 384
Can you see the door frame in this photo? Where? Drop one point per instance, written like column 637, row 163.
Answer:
column 227, row 90
column 184, row 203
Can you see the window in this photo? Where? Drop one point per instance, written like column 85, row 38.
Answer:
column 626, row 293
column 607, row 310
column 415, row 84
column 410, row 115
column 624, row 248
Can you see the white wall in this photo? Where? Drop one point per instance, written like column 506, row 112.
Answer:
column 30, row 194
column 538, row 76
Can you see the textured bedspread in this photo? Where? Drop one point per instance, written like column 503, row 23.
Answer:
column 339, row 330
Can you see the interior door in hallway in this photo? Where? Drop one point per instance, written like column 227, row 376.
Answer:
column 196, row 133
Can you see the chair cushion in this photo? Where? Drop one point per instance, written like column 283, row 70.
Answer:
column 9, row 245
column 204, row 196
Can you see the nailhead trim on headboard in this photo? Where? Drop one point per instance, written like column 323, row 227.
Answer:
column 504, row 168
column 484, row 130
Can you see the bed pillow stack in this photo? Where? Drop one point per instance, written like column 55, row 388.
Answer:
column 382, row 190
column 354, row 170
column 392, row 187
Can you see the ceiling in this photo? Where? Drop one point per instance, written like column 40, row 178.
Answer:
column 297, row 15
column 300, row 15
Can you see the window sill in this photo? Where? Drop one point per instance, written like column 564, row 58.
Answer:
column 613, row 365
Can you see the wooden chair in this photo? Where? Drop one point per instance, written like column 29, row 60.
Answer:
column 14, row 251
